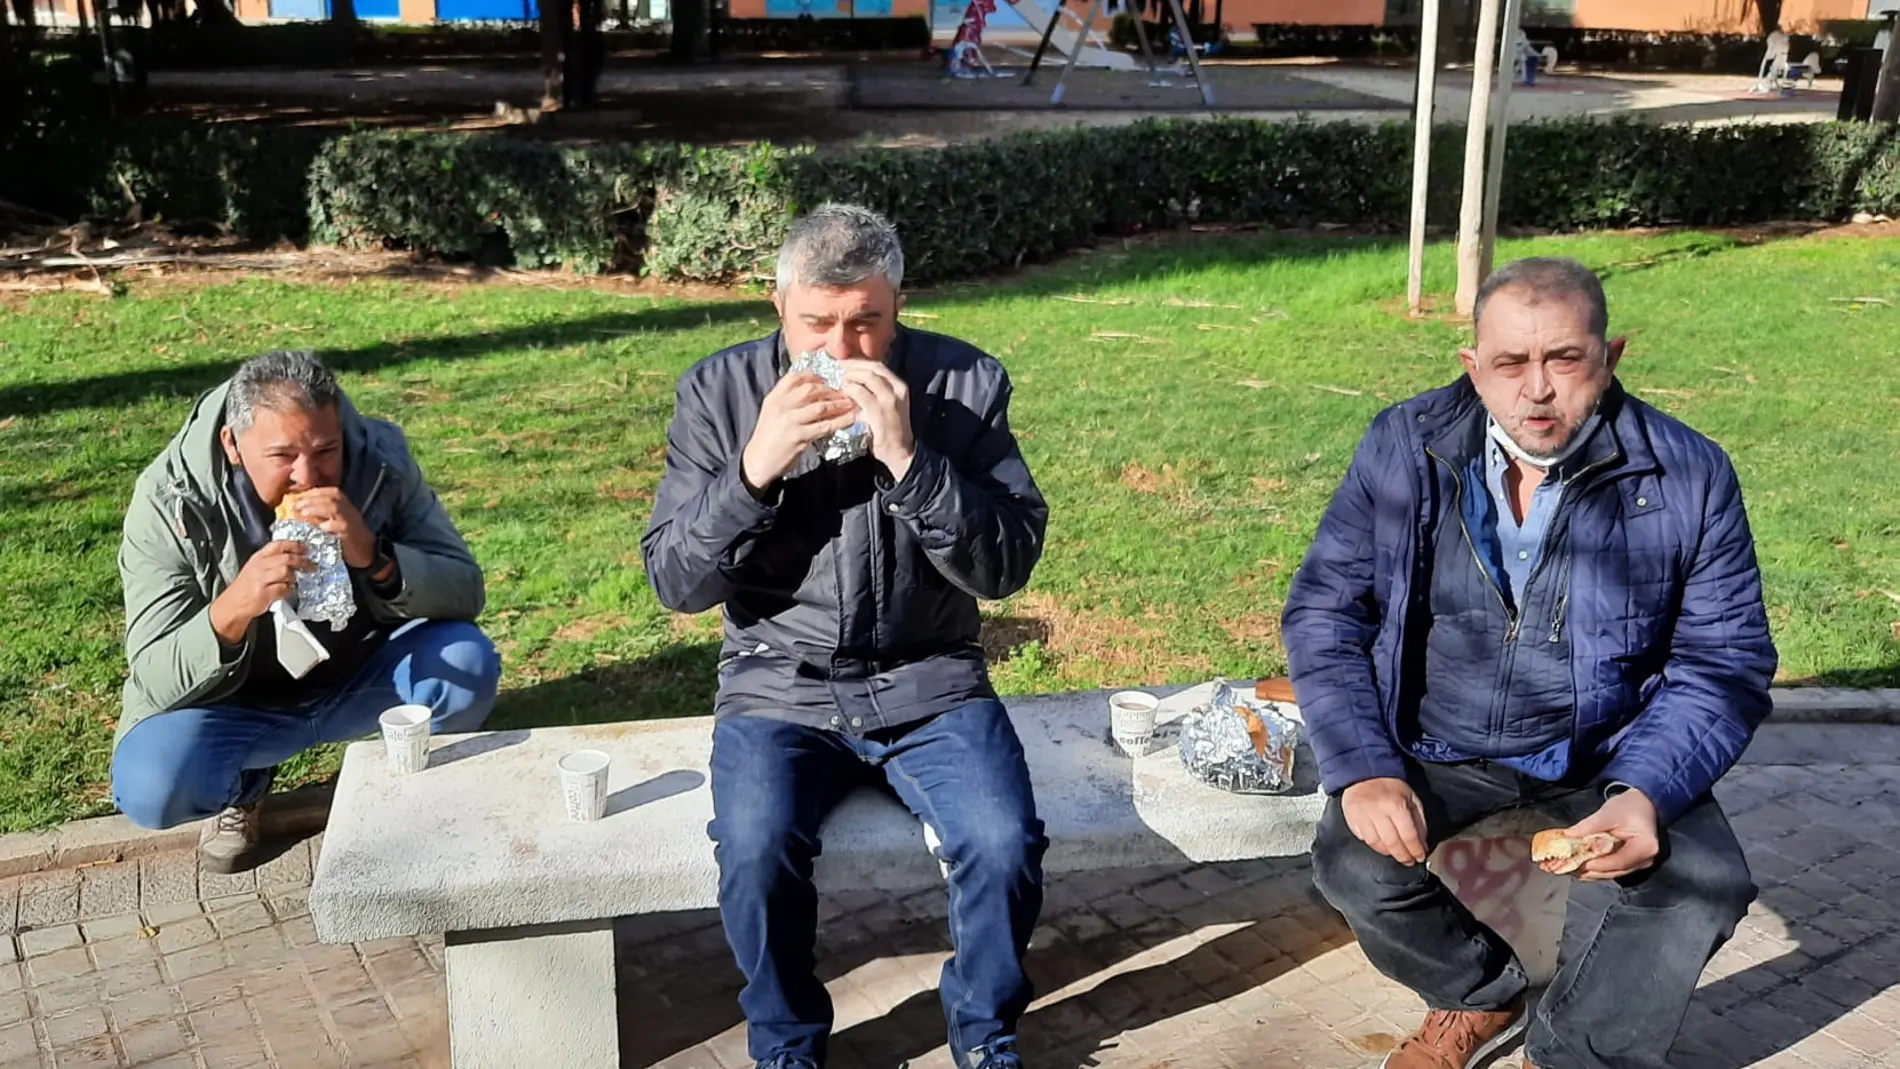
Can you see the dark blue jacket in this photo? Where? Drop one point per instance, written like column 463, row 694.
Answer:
column 1671, row 655
column 850, row 600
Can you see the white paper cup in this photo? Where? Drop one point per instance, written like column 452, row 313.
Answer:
column 406, row 737
column 584, row 784
column 1131, row 720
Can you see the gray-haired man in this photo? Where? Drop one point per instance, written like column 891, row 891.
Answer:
column 209, row 708
column 850, row 590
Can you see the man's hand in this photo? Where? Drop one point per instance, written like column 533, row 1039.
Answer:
column 1385, row 815
column 800, row 410
column 1631, row 818
column 331, row 511
column 884, row 399
column 270, row 574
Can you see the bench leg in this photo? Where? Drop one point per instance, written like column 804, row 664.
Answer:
column 534, row 996
column 1496, row 880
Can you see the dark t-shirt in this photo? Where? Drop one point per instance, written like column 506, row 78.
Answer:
column 268, row 686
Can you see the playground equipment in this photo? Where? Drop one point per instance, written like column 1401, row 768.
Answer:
column 1076, row 39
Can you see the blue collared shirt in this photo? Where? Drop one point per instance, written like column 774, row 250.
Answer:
column 1515, row 547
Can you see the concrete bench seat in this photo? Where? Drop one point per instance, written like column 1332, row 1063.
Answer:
column 477, row 847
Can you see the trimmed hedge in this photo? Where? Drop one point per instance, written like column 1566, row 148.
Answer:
column 965, row 210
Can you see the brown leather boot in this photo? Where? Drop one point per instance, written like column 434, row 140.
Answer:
column 1457, row 1039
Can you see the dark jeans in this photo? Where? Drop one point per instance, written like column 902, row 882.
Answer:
column 191, row 763
column 1618, row 1002
column 962, row 773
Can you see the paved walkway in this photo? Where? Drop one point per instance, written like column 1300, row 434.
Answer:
column 151, row 964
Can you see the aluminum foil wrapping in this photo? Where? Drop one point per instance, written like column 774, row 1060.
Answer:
column 852, row 442
column 323, row 593
column 1239, row 743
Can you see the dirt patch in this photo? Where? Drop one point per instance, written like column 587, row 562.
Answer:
column 585, row 628
column 1132, row 648
column 698, row 626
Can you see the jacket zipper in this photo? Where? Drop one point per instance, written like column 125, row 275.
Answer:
column 374, row 488
column 1458, row 481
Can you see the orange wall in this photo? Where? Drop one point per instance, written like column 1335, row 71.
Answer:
column 1709, row 16
column 1244, row 14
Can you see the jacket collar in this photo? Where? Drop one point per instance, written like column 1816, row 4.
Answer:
column 1452, row 425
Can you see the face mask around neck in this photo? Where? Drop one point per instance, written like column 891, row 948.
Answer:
column 1518, row 452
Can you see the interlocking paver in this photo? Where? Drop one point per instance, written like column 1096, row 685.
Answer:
column 167, row 879
column 50, row 940
column 49, row 898
column 1211, row 967
column 19, row 1045
column 106, row 890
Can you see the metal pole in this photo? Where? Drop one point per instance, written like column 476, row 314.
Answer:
column 1422, row 154
column 1194, row 61
column 1075, row 54
column 1471, row 204
column 1500, row 122
column 1887, row 88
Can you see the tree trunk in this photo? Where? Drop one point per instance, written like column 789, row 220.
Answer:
column 557, row 17
column 1887, row 89
column 691, row 26
column 343, row 12
column 1768, row 12
column 217, row 13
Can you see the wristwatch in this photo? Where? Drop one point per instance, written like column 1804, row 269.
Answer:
column 381, row 573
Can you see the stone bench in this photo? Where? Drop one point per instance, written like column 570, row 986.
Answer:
column 477, row 848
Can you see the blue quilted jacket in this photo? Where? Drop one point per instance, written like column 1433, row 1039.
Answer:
column 1671, row 658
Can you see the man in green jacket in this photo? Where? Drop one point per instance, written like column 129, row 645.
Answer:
column 210, row 710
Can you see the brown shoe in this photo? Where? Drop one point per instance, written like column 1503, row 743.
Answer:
column 1457, row 1039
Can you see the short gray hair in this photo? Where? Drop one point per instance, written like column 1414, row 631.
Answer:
column 1544, row 278
column 280, row 380
column 839, row 245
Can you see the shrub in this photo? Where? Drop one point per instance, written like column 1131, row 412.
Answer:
column 965, row 210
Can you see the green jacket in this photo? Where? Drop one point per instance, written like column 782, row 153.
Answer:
column 179, row 552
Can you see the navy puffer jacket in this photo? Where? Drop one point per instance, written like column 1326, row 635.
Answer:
column 1671, row 656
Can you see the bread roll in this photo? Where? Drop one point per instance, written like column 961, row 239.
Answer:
column 1554, row 845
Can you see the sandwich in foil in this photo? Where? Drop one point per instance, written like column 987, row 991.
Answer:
column 1239, row 742
column 852, row 442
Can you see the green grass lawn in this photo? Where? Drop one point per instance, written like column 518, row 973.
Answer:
column 1187, row 417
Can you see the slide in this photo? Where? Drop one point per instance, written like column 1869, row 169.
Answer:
column 1095, row 51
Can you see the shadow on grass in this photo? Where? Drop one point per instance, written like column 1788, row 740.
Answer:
column 130, row 387
column 677, row 681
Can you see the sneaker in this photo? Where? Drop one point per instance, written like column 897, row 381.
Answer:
column 229, row 840
column 1457, row 1039
column 786, row 1061
column 998, row 1055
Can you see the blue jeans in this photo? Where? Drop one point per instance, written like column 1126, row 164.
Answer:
column 963, row 774
column 189, row 764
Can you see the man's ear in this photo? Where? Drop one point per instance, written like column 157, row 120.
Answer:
column 229, row 441
column 898, row 306
column 1469, row 358
column 1615, row 353
column 778, row 304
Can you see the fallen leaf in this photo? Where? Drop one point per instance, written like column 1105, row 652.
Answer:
column 1079, row 299
column 1340, row 390
column 146, row 931
column 919, row 315
column 1215, row 326
column 1254, row 384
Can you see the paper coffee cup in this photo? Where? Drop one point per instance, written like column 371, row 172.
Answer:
column 406, row 737
column 1131, row 720
column 584, row 784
